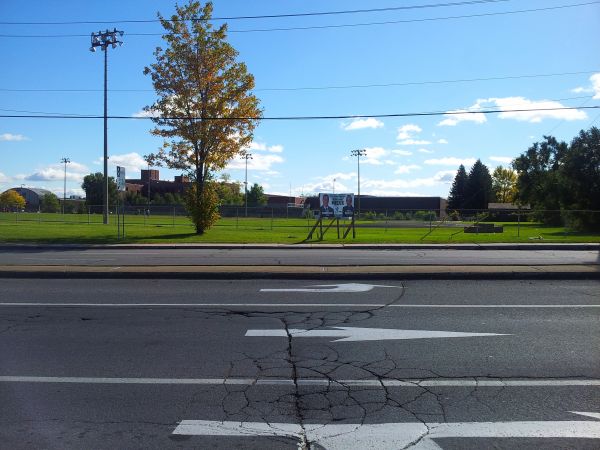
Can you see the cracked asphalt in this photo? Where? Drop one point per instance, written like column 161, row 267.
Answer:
column 120, row 363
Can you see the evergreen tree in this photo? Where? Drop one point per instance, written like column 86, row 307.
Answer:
column 456, row 198
column 478, row 192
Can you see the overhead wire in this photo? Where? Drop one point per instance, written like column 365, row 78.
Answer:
column 321, row 27
column 269, row 16
column 324, row 117
column 352, row 86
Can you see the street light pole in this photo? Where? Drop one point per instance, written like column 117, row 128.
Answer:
column 104, row 39
column 65, row 161
column 247, row 156
column 358, row 153
column 333, row 186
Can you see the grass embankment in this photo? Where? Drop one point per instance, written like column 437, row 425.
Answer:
column 50, row 228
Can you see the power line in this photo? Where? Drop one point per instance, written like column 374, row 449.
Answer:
column 321, row 27
column 269, row 16
column 81, row 115
column 350, row 86
column 277, row 118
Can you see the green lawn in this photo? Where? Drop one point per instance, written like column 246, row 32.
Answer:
column 50, row 228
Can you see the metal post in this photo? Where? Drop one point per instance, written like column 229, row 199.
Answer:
column 65, row 161
column 358, row 153
column 104, row 39
column 105, row 187
column 247, row 156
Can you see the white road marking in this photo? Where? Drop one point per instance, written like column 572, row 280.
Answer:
column 410, row 383
column 353, row 334
column 393, row 435
column 277, row 305
column 346, row 287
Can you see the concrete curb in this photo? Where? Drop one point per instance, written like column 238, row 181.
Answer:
column 484, row 246
column 554, row 272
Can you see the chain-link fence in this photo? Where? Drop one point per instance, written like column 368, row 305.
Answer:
column 263, row 218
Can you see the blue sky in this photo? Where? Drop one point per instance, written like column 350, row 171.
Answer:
column 405, row 156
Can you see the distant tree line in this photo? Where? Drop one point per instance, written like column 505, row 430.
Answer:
column 558, row 180
column 228, row 193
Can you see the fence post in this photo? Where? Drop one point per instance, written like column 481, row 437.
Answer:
column 237, row 218
column 430, row 213
column 173, row 217
column 271, row 218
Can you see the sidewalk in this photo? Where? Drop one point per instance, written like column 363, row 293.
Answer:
column 427, row 272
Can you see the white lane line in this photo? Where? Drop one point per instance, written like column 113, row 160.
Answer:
column 385, row 436
column 188, row 305
column 413, row 383
column 355, row 334
column 345, row 287
column 278, row 305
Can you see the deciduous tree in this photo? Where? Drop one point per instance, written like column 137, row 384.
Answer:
column 49, row 203
column 256, row 196
column 11, row 199
column 504, row 184
column 93, row 185
column 205, row 110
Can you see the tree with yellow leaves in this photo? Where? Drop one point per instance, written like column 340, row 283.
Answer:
column 205, row 109
column 11, row 199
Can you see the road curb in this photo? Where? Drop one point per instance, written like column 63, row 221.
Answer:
column 551, row 272
column 484, row 246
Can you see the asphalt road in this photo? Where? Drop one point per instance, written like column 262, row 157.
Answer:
column 123, row 257
column 226, row 364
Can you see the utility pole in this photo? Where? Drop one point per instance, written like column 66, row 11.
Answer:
column 104, row 39
column 247, row 156
column 333, row 186
column 358, row 153
column 65, row 161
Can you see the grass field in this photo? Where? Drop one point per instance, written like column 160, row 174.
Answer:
column 50, row 228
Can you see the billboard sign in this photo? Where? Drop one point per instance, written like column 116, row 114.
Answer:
column 336, row 205
column 120, row 178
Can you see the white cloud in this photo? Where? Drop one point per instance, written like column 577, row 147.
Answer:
column 508, row 103
column 595, row 79
column 13, row 137
column 443, row 177
column 501, row 159
column 149, row 113
column 408, row 131
column 55, row 172
column 374, row 155
column 326, row 186
column 402, row 152
column 406, row 169
column 262, row 147
column 260, row 161
column 581, row 90
column 546, row 109
column 450, row 161
column 424, row 150
column 4, row 178
column 442, row 141
column 414, row 142
column 594, row 88
column 470, row 114
column 359, row 124
column 133, row 162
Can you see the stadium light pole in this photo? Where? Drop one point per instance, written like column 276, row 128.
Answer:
column 358, row 153
column 247, row 156
column 104, row 39
column 65, row 161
